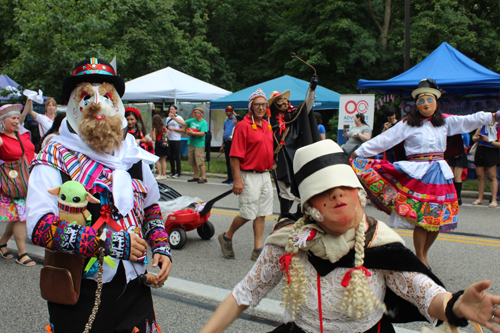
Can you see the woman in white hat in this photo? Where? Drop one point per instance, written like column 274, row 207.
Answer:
column 343, row 271
column 420, row 189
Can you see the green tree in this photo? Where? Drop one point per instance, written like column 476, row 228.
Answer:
column 238, row 29
column 52, row 36
column 7, row 29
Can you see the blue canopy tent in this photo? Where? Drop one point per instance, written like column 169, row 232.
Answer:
column 9, row 84
column 325, row 98
column 453, row 72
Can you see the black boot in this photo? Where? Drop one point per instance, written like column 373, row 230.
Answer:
column 285, row 206
column 458, row 188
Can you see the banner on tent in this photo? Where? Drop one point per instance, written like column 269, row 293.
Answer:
column 456, row 106
column 350, row 105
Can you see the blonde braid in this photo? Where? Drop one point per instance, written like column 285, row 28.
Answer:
column 358, row 298
column 294, row 293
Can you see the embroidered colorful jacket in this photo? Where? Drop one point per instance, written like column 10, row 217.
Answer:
column 52, row 232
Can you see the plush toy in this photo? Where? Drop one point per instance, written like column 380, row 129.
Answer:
column 73, row 199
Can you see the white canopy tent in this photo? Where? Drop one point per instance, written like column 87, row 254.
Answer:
column 170, row 85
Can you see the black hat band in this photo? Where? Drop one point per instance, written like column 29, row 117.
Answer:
column 319, row 163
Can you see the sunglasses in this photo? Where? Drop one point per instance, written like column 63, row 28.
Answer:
column 429, row 100
column 258, row 105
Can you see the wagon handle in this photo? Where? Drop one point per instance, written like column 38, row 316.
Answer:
column 210, row 203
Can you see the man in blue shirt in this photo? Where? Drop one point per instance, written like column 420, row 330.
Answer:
column 227, row 139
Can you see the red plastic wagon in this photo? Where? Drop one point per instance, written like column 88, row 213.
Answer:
column 179, row 222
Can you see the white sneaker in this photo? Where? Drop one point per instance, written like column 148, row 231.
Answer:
column 176, row 176
column 158, row 177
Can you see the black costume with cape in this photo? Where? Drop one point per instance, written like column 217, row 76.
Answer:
column 302, row 131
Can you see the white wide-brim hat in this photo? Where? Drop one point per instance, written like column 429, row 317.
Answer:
column 321, row 166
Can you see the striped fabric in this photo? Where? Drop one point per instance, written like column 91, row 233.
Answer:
column 14, row 178
column 96, row 178
column 427, row 157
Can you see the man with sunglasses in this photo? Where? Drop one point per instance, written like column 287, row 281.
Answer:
column 251, row 158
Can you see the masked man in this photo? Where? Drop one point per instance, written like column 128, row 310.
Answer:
column 92, row 149
column 292, row 128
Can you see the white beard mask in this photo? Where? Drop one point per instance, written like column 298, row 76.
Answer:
column 96, row 114
column 102, row 98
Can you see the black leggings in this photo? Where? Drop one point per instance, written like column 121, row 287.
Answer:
column 175, row 157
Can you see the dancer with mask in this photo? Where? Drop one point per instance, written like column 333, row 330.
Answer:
column 292, row 128
column 93, row 149
column 420, row 189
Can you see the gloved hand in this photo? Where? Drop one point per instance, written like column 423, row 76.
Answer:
column 314, row 82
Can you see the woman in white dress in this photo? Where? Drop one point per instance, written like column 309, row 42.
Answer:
column 420, row 189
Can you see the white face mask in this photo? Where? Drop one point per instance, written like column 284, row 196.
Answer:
column 108, row 108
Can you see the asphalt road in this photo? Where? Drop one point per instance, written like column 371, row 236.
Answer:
column 201, row 276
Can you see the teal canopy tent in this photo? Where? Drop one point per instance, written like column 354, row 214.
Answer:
column 325, row 98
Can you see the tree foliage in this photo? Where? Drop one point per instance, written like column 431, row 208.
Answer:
column 238, row 43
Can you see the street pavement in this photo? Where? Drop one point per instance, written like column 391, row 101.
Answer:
column 201, row 277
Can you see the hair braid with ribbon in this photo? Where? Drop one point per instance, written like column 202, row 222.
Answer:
column 294, row 279
column 358, row 299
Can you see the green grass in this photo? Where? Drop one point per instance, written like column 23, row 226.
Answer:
column 471, row 185
column 216, row 165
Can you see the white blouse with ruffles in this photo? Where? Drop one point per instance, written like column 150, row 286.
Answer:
column 417, row 288
column 423, row 140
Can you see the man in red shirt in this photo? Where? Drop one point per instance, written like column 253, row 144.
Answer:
column 251, row 157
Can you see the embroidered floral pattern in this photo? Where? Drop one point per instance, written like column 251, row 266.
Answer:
column 433, row 213
column 54, row 233
column 12, row 209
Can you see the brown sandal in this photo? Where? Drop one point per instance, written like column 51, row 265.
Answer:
column 25, row 263
column 6, row 255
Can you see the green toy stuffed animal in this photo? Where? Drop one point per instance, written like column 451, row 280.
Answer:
column 73, row 199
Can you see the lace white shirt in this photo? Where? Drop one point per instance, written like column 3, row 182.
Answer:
column 417, row 288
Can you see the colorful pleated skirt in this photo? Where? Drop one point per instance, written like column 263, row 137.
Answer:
column 430, row 202
column 12, row 209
